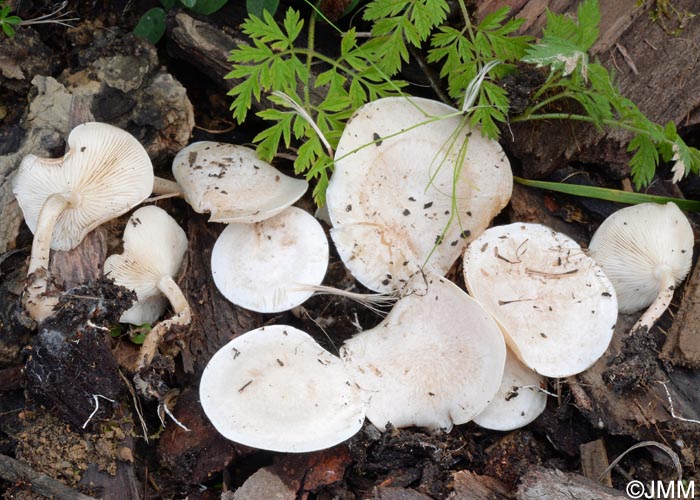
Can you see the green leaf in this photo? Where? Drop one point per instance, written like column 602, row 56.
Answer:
column 609, row 194
column 644, row 161
column 168, row 4
column 207, row 7
column 151, row 26
column 188, row 3
column 256, row 7
column 588, row 15
column 9, row 31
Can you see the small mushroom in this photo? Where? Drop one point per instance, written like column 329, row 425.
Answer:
column 556, row 307
column 154, row 247
column 104, row 174
column 232, row 184
column 645, row 250
column 418, row 182
column 273, row 265
column 519, row 400
column 436, row 359
column 276, row 389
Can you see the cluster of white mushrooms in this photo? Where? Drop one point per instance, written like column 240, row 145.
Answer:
column 413, row 190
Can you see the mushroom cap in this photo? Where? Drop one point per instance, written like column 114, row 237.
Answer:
column 276, row 389
column 635, row 243
column 519, row 400
column 436, row 359
column 232, row 183
column 555, row 305
column 264, row 266
column 396, row 172
column 105, row 172
column 154, row 246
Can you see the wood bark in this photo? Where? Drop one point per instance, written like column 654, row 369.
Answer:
column 554, row 484
column 652, row 67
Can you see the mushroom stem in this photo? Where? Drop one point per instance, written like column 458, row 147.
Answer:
column 166, row 187
column 182, row 316
column 35, row 301
column 667, row 285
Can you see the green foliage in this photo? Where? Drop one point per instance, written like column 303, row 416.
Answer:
column 256, row 7
column 396, row 25
column 564, row 50
column 273, row 63
column 8, row 22
column 471, row 59
column 151, row 26
column 464, row 52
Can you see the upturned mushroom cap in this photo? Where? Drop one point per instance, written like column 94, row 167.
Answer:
column 276, row 389
column 556, row 307
column 518, row 401
column 232, row 183
column 154, row 246
column 270, row 265
column 104, row 174
column 396, row 175
column 637, row 245
column 436, row 359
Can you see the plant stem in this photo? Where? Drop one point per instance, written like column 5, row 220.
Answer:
column 583, row 118
column 310, row 54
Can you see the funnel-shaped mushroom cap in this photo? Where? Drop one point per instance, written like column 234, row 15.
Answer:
column 276, row 389
column 637, row 244
column 519, row 400
column 232, row 183
column 104, row 174
column 404, row 181
column 154, row 246
column 556, row 307
column 436, row 359
column 270, row 265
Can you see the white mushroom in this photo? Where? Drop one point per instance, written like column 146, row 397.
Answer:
column 232, row 183
column 436, row 359
column 271, row 266
column 519, row 400
column 276, row 389
column 415, row 179
column 104, row 173
column 556, row 307
column 154, row 247
column 645, row 250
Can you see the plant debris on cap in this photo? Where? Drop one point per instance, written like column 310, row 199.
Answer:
column 276, row 389
column 154, row 247
column 232, row 184
column 645, row 250
column 436, row 359
column 557, row 308
column 270, row 266
column 413, row 189
column 519, row 400
column 104, row 174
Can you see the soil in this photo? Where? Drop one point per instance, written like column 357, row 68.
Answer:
column 70, row 410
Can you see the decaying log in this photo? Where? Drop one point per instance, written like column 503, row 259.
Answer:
column 539, row 482
column 469, row 486
column 15, row 471
column 594, row 461
column 203, row 45
column 653, row 68
column 663, row 407
column 215, row 320
column 682, row 346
